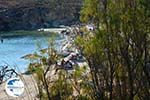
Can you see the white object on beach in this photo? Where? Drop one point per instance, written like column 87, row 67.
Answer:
column 70, row 56
column 67, row 58
column 67, row 45
column 90, row 27
column 41, row 29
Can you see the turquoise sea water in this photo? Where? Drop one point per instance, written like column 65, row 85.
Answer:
column 13, row 48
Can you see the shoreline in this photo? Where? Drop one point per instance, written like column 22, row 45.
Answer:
column 53, row 30
column 41, row 31
column 29, row 81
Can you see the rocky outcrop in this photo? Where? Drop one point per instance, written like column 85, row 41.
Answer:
column 32, row 14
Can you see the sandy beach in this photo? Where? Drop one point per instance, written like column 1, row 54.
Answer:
column 52, row 30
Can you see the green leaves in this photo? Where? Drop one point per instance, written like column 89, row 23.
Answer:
column 89, row 11
column 32, row 56
column 117, row 49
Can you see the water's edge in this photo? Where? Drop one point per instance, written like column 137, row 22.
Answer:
column 17, row 44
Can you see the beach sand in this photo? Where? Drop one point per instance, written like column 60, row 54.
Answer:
column 53, row 30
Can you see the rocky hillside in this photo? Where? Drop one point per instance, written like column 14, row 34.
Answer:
column 32, row 14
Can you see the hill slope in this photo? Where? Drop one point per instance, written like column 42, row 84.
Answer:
column 31, row 14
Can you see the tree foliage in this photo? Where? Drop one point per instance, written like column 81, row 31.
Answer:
column 118, row 54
